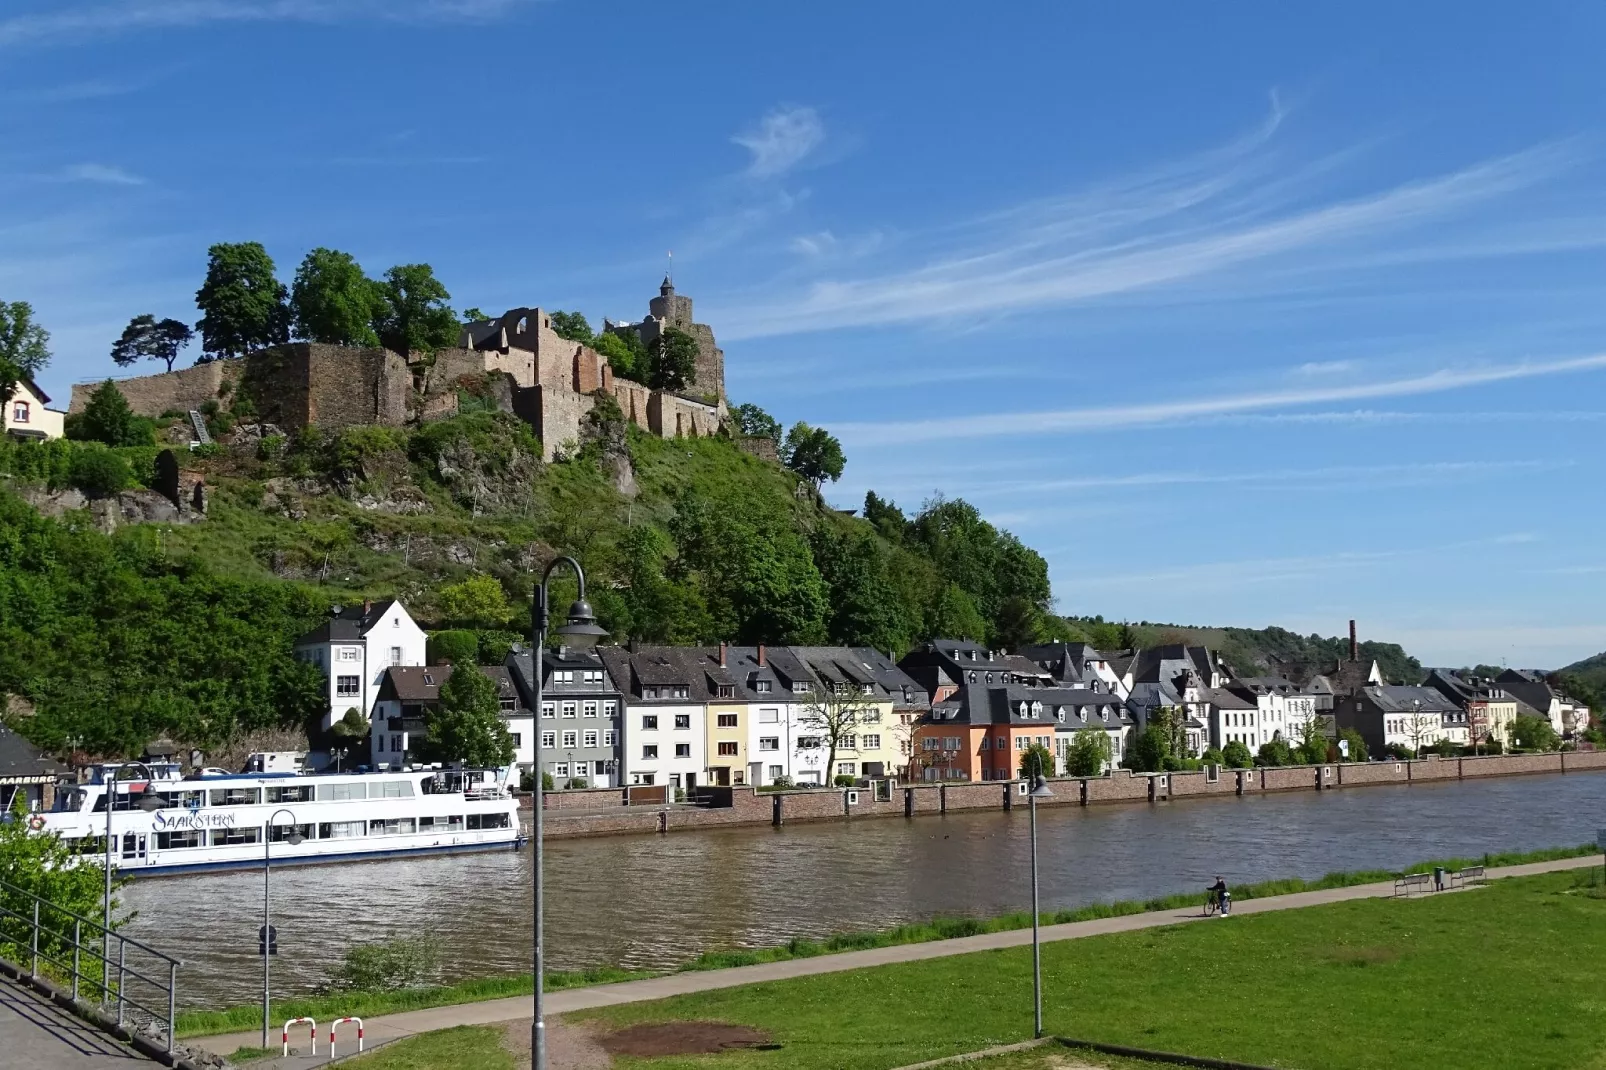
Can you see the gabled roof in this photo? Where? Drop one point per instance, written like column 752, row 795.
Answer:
column 21, row 760
column 422, row 683
column 906, row 693
column 1405, row 698
column 347, row 624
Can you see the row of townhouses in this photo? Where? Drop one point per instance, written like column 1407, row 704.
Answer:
column 951, row 709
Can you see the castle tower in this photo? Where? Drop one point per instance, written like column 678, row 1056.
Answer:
column 670, row 309
column 673, row 309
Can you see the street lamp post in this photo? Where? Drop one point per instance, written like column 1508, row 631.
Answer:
column 1039, row 791
column 580, row 630
column 149, row 802
column 294, row 838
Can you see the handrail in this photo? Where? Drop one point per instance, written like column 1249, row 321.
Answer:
column 89, row 938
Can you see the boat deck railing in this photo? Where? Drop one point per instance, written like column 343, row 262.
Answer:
column 127, row 978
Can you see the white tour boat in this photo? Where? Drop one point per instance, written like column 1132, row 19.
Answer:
column 216, row 820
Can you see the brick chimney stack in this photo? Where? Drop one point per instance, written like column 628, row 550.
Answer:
column 761, row 655
column 723, row 648
column 1354, row 646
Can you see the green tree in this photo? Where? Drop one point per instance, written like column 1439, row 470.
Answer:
column 657, row 608
column 954, row 616
column 467, row 726
column 1017, row 624
column 43, row 864
column 1313, row 741
column 672, row 360
column 625, row 353
column 347, row 732
column 1236, row 755
column 1148, row 754
column 478, row 600
column 24, row 347
column 1357, row 745
column 1089, row 753
column 813, row 453
column 146, row 339
column 1035, row 760
column 457, row 646
column 571, row 325
column 864, row 606
column 754, row 421
column 412, row 315
column 107, row 418
column 831, row 717
column 883, row 515
column 990, row 565
column 1277, row 752
column 242, row 304
column 100, row 472
column 1534, row 733
column 333, row 302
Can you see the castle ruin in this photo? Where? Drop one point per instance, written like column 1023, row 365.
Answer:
column 517, row 361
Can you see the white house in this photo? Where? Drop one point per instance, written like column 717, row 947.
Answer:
column 354, row 646
column 27, row 417
column 408, row 692
column 665, row 717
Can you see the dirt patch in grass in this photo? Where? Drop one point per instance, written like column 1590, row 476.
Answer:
column 569, row 1045
column 1363, row 956
column 682, row 1038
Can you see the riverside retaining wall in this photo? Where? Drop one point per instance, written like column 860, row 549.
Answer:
column 601, row 812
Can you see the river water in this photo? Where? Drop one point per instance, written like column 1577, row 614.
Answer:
column 655, row 901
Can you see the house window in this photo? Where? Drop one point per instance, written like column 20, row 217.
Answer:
column 850, row 742
column 590, row 738
column 1020, row 742
column 802, row 687
column 561, row 769
column 607, row 737
column 549, row 739
column 679, row 692
column 872, row 742
column 846, row 768
column 348, row 653
column 769, row 716
column 507, row 704
column 610, row 709
column 347, row 686
column 396, row 742
column 769, row 743
column 589, row 709
column 775, row 772
column 649, row 752
column 548, row 709
column 683, row 750
column 518, row 740
column 983, row 743
column 649, row 722
column 19, row 413
column 395, row 655
column 682, row 720
column 808, row 742
column 570, row 738
column 649, row 692
column 867, row 689
column 568, row 709
column 381, row 743
column 726, row 720
column 728, row 749
column 762, row 686
column 727, row 691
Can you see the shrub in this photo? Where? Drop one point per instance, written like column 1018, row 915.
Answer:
column 97, row 471
column 577, row 783
column 1277, row 752
column 844, row 781
column 1236, row 754
column 455, row 647
column 393, row 964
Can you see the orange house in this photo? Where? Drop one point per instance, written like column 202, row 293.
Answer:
column 980, row 733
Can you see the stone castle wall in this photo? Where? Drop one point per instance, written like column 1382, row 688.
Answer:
column 183, row 390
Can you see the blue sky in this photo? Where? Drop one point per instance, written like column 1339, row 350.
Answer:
column 1243, row 315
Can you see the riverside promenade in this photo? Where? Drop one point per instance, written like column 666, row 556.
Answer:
column 386, row 1028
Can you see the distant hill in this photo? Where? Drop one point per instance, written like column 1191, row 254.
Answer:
column 1252, row 651
column 1585, row 680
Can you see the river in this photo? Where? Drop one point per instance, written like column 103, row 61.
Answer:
column 654, row 901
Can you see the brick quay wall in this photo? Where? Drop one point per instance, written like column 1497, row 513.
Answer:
column 605, row 812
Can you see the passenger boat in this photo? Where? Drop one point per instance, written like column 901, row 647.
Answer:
column 215, row 820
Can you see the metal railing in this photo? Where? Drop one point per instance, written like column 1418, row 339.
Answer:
column 135, row 978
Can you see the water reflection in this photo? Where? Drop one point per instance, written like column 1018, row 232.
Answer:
column 655, row 901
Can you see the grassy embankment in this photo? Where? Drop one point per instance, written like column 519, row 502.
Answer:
column 367, row 1004
column 1500, row 977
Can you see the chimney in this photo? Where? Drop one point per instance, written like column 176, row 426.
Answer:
column 723, row 647
column 761, row 655
column 1354, row 647
column 367, row 608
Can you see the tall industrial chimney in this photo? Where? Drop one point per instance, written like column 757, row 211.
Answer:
column 1354, row 646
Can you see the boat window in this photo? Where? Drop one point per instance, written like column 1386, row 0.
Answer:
column 342, row 792
column 280, row 833
column 236, row 796
column 189, row 838
column 342, row 830
column 222, row 837
column 487, row 821
column 187, row 800
column 290, row 793
column 456, row 823
column 393, row 789
column 394, row 826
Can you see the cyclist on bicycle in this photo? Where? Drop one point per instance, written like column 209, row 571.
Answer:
column 1219, row 895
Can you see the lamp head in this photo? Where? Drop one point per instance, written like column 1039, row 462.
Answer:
column 1040, row 790
column 581, row 630
column 295, row 838
column 149, row 801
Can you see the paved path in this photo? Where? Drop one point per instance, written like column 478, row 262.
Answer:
column 38, row 1035
column 395, row 1026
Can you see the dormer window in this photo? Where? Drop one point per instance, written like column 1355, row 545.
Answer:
column 762, row 686
column 649, row 692
column 1059, row 715
column 867, row 689
column 428, row 679
column 802, row 687
column 989, row 678
column 972, row 675
column 727, row 691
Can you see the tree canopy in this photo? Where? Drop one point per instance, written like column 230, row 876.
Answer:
column 813, row 453
column 333, row 301
column 1089, row 752
column 754, row 421
column 625, row 353
column 242, row 303
column 672, row 360
column 24, row 346
column 107, row 418
column 467, row 726
column 570, row 325
column 413, row 316
column 146, row 338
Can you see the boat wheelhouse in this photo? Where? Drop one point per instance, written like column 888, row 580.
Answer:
column 216, row 820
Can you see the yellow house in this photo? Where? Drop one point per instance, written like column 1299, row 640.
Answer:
column 26, row 416
column 727, row 742
column 1489, row 716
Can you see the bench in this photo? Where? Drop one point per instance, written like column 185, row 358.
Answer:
column 1413, row 882
column 1466, row 877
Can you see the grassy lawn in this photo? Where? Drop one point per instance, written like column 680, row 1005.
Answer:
column 1498, row 977
column 468, row 1047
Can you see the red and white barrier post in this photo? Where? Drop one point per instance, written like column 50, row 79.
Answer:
column 338, row 1022
column 312, row 1033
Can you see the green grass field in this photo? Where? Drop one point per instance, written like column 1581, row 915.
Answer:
column 1500, row 977
column 468, row 1047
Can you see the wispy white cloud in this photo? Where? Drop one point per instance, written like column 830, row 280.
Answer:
column 781, row 140
column 1389, row 416
column 101, row 173
column 1220, row 214
column 1324, row 367
column 66, row 23
column 1116, row 417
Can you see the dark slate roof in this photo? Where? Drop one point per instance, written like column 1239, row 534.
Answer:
column 906, row 693
column 1226, row 698
column 1402, row 698
column 519, row 664
column 347, row 623
column 22, row 760
column 978, row 704
column 1162, row 664
column 1527, row 686
column 965, row 656
column 422, row 683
